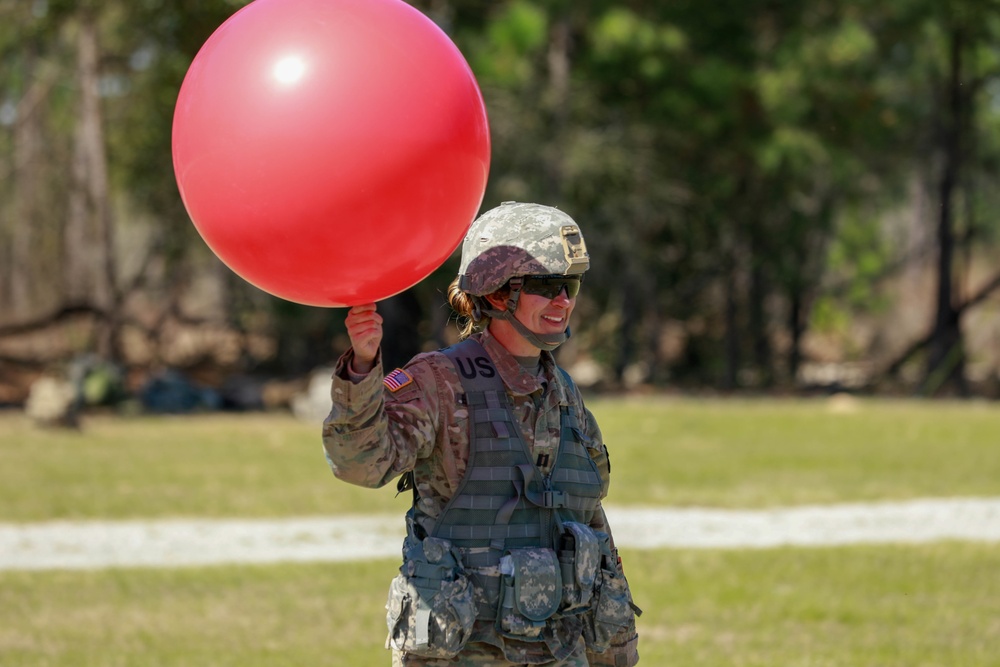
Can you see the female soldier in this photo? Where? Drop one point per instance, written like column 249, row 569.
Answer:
column 508, row 558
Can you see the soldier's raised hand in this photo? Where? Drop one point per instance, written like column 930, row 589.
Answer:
column 364, row 326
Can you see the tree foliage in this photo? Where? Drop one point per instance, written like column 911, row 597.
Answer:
column 736, row 166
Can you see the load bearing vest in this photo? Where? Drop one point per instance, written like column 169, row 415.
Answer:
column 504, row 500
column 512, row 560
column 523, row 536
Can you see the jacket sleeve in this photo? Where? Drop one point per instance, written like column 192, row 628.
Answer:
column 372, row 434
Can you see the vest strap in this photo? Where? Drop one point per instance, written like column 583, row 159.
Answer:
column 516, row 531
column 576, row 476
column 478, row 559
column 493, row 474
column 479, row 502
column 491, row 415
column 490, row 399
column 497, row 445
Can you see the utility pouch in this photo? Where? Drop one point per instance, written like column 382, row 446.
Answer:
column 430, row 611
column 530, row 592
column 579, row 560
column 611, row 608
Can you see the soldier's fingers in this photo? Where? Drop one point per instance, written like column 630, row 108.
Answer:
column 366, row 337
column 364, row 328
column 363, row 317
column 373, row 322
column 362, row 309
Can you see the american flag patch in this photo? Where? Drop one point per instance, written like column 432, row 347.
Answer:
column 396, row 380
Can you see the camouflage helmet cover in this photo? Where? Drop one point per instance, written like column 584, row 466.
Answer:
column 518, row 239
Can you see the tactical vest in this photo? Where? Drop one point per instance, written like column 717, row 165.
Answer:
column 517, row 530
column 512, row 560
column 504, row 500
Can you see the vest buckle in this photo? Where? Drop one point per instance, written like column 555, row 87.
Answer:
column 552, row 499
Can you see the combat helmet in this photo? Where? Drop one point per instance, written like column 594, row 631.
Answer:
column 520, row 239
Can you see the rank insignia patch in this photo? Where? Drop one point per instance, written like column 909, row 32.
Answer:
column 396, row 380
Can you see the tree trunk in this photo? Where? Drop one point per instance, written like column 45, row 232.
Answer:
column 89, row 268
column 762, row 356
column 946, row 357
column 730, row 379
column 27, row 203
column 796, row 328
column 557, row 102
column 983, row 293
column 630, row 288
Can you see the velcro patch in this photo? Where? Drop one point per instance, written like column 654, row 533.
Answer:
column 396, row 380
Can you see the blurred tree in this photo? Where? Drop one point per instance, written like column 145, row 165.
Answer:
column 964, row 35
column 35, row 110
column 943, row 60
column 709, row 147
column 732, row 163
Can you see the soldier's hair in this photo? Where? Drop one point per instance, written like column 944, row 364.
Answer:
column 469, row 317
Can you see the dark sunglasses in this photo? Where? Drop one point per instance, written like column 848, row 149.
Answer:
column 550, row 286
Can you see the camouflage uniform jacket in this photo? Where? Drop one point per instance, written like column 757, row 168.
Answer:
column 373, row 435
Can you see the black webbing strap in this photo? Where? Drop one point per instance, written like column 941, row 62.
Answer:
column 486, row 397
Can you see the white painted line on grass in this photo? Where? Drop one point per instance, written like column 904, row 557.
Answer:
column 814, row 525
column 178, row 542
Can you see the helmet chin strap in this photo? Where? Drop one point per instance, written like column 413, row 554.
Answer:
column 547, row 342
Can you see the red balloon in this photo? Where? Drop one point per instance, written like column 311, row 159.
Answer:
column 331, row 152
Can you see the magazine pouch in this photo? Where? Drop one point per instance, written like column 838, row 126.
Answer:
column 530, row 592
column 430, row 610
column 612, row 610
column 579, row 561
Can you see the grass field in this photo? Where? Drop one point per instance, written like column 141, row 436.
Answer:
column 680, row 453
column 869, row 606
column 917, row 606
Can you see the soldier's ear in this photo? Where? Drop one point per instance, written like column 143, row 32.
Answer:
column 497, row 300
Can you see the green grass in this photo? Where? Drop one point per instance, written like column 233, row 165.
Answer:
column 286, row 615
column 663, row 452
column 220, row 465
column 865, row 606
column 914, row 606
column 764, row 453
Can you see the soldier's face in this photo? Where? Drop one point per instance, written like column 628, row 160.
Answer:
column 545, row 316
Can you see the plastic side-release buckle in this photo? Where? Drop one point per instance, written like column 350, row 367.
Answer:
column 552, row 499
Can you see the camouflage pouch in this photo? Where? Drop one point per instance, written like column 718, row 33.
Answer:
column 530, row 592
column 430, row 611
column 579, row 560
column 623, row 651
column 611, row 608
